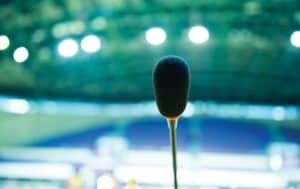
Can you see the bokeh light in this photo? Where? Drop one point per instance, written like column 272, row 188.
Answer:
column 198, row 34
column 90, row 43
column 295, row 39
column 276, row 162
column 278, row 113
column 17, row 106
column 68, row 48
column 21, row 54
column 106, row 181
column 156, row 36
column 4, row 42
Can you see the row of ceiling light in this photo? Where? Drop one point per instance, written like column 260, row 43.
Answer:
column 155, row 36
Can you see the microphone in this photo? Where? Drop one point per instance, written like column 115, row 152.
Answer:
column 171, row 81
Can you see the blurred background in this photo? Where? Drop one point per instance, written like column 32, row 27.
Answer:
column 77, row 109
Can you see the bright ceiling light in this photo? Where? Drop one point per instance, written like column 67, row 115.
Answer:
column 156, row 36
column 295, row 39
column 67, row 48
column 21, row 54
column 198, row 34
column 4, row 42
column 90, row 43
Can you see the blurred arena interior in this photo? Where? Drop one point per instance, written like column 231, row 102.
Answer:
column 77, row 109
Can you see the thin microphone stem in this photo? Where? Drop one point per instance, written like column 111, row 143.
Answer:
column 172, row 124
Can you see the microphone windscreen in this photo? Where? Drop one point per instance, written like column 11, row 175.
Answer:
column 171, row 81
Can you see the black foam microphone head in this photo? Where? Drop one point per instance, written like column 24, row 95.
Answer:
column 171, row 80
